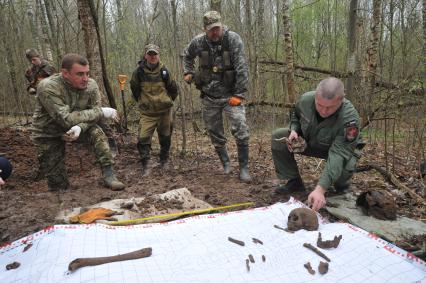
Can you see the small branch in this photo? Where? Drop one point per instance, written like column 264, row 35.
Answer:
column 238, row 242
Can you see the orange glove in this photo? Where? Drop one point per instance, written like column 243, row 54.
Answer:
column 188, row 78
column 234, row 101
column 92, row 215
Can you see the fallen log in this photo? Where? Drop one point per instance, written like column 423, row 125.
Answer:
column 92, row 261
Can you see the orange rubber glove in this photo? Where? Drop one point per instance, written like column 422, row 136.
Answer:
column 92, row 215
column 234, row 101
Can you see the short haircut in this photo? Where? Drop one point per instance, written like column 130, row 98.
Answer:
column 330, row 88
column 71, row 58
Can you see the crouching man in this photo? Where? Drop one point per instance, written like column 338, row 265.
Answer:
column 68, row 108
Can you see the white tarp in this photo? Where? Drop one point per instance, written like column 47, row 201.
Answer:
column 197, row 249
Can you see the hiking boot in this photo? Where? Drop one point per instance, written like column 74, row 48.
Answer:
column 292, row 185
column 110, row 181
column 224, row 158
column 164, row 164
column 243, row 156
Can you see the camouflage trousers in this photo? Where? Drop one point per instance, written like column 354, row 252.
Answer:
column 286, row 166
column 163, row 123
column 213, row 109
column 51, row 155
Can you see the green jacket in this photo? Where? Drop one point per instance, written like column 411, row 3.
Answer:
column 59, row 107
column 332, row 138
column 154, row 89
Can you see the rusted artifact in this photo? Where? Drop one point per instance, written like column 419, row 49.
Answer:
column 251, row 258
column 238, row 242
column 309, row 268
column 317, row 251
column 13, row 265
column 92, row 261
column 297, row 145
column 257, row 241
column 302, row 218
column 379, row 204
column 263, row 258
column 248, row 265
column 323, row 267
column 329, row 243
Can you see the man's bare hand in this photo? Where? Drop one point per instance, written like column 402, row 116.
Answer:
column 293, row 136
column 316, row 198
column 188, row 78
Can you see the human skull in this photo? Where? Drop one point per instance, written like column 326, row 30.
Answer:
column 302, row 218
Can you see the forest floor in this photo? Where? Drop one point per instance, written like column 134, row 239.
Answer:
column 26, row 205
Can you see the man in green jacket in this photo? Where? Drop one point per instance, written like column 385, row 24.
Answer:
column 39, row 69
column 330, row 125
column 68, row 108
column 154, row 89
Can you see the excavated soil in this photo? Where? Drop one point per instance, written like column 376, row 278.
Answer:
column 27, row 206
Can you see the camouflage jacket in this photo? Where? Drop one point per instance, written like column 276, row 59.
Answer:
column 337, row 136
column 216, row 88
column 154, row 89
column 59, row 106
column 35, row 74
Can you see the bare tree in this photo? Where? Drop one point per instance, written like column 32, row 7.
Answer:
column 351, row 60
column 288, row 47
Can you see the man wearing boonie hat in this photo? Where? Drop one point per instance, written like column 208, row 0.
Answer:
column 38, row 70
column 154, row 89
column 222, row 78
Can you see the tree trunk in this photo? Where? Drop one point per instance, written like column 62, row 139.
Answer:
column 351, row 60
column 372, row 58
column 215, row 5
column 45, row 31
column 424, row 44
column 288, row 48
column 33, row 25
column 88, row 18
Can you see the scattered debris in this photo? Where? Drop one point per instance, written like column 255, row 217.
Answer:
column 248, row 265
column 251, row 258
column 323, row 267
column 257, row 241
column 13, row 265
column 263, row 258
column 377, row 203
column 82, row 262
column 27, row 247
column 329, row 243
column 238, row 242
column 302, row 218
column 309, row 268
column 317, row 251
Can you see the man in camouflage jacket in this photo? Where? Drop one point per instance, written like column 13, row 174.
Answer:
column 68, row 108
column 39, row 70
column 329, row 124
column 154, row 89
column 222, row 78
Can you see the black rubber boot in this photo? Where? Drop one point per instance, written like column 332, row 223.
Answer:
column 144, row 152
column 165, row 142
column 110, row 180
column 243, row 157
column 292, row 185
column 224, row 158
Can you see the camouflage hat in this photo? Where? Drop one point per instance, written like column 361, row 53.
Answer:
column 211, row 19
column 31, row 53
column 152, row 48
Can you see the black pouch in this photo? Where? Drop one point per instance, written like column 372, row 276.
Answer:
column 229, row 78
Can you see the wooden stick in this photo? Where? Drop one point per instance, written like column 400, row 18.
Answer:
column 92, row 261
column 317, row 251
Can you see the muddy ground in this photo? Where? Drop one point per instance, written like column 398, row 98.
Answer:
column 27, row 206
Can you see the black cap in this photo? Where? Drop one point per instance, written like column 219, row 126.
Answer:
column 5, row 168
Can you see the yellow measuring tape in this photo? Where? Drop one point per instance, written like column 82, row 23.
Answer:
column 139, row 220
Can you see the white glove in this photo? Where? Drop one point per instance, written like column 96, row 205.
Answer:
column 110, row 113
column 72, row 134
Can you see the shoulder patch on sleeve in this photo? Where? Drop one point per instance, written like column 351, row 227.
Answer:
column 351, row 131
